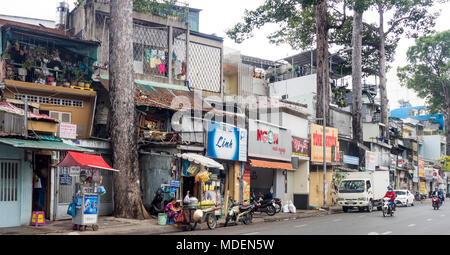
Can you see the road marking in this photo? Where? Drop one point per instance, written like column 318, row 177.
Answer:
column 387, row 233
column 442, row 215
column 373, row 233
column 429, row 219
column 253, row 233
column 299, row 226
column 336, row 220
column 73, row 234
column 411, row 225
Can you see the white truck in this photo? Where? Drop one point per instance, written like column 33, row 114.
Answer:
column 364, row 190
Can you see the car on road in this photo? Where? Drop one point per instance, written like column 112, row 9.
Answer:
column 404, row 197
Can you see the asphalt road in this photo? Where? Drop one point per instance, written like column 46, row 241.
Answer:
column 419, row 219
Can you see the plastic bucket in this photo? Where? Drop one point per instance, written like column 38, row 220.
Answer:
column 162, row 218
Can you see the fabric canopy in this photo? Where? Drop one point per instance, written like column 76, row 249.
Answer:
column 201, row 160
column 271, row 164
column 84, row 161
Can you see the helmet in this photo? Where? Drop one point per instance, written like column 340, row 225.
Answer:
column 389, row 188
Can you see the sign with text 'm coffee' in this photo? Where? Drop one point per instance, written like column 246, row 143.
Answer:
column 331, row 144
column 300, row 147
column 266, row 140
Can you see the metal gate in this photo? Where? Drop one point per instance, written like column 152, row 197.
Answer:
column 9, row 193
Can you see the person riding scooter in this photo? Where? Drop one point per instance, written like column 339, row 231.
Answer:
column 439, row 194
column 390, row 194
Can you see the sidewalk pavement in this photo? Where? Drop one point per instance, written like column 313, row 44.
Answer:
column 109, row 225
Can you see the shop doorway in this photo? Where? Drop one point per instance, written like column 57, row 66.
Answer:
column 189, row 185
column 42, row 184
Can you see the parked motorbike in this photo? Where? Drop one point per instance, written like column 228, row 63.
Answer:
column 278, row 205
column 158, row 203
column 387, row 207
column 239, row 213
column 263, row 205
column 436, row 202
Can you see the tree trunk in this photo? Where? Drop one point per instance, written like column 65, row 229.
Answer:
column 356, row 84
column 322, row 62
column 448, row 124
column 127, row 193
column 356, row 77
column 383, row 91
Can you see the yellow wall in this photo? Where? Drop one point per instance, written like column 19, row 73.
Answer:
column 316, row 185
column 231, row 81
column 42, row 126
column 79, row 115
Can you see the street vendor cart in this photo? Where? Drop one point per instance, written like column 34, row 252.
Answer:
column 85, row 200
column 207, row 187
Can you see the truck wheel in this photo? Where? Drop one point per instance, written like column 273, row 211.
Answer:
column 345, row 208
column 370, row 207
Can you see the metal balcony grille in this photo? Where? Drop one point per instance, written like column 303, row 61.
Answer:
column 205, row 67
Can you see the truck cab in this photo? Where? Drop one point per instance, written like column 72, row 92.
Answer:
column 355, row 193
column 363, row 190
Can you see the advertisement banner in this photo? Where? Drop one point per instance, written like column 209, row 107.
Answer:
column 421, row 168
column 246, row 184
column 90, row 204
column 371, row 160
column 226, row 142
column 67, row 130
column 416, row 174
column 332, row 144
column 269, row 141
column 300, row 147
column 422, row 188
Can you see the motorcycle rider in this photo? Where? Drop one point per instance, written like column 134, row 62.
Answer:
column 390, row 194
column 439, row 194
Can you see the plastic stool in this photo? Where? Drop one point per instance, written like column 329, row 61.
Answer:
column 37, row 218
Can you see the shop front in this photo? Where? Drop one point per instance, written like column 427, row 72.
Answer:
column 316, row 178
column 27, row 178
column 270, row 160
column 227, row 144
column 300, row 162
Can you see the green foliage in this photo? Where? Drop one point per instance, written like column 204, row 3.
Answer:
column 428, row 70
column 162, row 8
column 297, row 26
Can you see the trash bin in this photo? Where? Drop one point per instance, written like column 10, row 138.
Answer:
column 162, row 218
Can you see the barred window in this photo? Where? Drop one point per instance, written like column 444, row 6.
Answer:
column 50, row 100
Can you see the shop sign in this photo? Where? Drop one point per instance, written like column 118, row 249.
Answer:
column 75, row 171
column 371, row 160
column 351, row 160
column 246, row 184
column 421, row 168
column 401, row 162
column 332, row 144
column 300, row 147
column 226, row 142
column 429, row 172
column 422, row 187
column 189, row 169
column 175, row 184
column 393, row 159
column 68, row 131
column 65, row 179
column 269, row 141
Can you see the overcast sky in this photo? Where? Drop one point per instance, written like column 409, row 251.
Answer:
column 217, row 16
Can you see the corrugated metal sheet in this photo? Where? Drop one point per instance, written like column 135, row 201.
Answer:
column 44, row 145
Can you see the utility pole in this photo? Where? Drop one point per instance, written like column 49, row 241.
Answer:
column 25, row 117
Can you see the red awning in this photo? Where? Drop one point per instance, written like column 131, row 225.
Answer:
column 271, row 164
column 85, row 161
